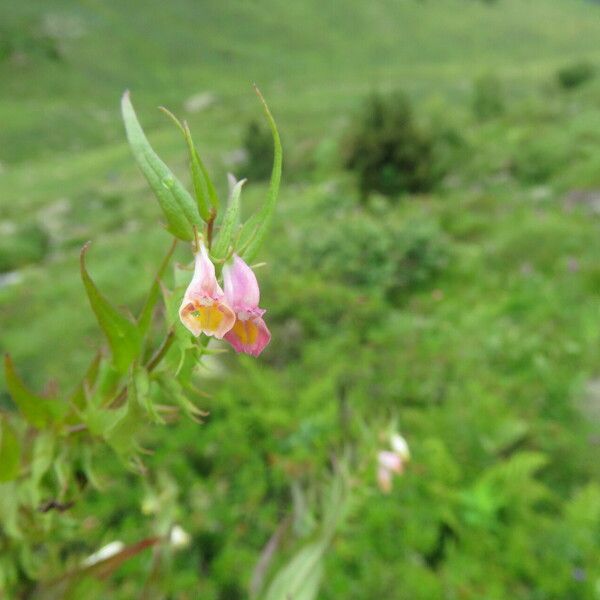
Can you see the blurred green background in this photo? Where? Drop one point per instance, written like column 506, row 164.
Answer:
column 465, row 306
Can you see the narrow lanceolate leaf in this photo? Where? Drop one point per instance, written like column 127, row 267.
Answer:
column 44, row 449
column 178, row 206
column 229, row 220
column 198, row 180
column 203, row 186
column 300, row 579
column 123, row 336
column 78, row 397
column 265, row 215
column 145, row 317
column 36, row 409
column 204, row 190
column 10, row 451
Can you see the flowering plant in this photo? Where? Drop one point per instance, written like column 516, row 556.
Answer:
column 49, row 445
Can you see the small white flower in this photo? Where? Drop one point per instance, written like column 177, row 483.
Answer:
column 179, row 537
column 400, row 447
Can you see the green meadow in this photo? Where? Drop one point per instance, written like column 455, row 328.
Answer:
column 468, row 315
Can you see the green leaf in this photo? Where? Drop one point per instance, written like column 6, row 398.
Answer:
column 10, row 509
column 139, row 389
column 78, row 397
column 229, row 220
column 36, row 409
column 178, row 206
column 247, row 233
column 41, row 460
column 265, row 215
column 121, row 435
column 174, row 390
column 203, row 186
column 198, row 180
column 87, row 464
column 204, row 190
column 43, row 455
column 100, row 420
column 62, row 466
column 184, row 341
column 301, row 577
column 10, row 451
column 145, row 317
column 123, row 336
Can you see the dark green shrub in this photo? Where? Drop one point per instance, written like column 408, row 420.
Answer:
column 536, row 160
column 24, row 245
column 361, row 251
column 258, row 146
column 575, row 74
column 488, row 100
column 420, row 252
column 388, row 150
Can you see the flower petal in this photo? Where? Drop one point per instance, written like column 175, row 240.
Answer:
column 249, row 335
column 204, row 281
column 390, row 461
column 210, row 317
column 241, row 286
column 400, row 446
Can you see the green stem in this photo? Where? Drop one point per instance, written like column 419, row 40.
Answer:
column 162, row 351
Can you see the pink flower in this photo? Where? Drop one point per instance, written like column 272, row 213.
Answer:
column 203, row 309
column 390, row 462
column 249, row 333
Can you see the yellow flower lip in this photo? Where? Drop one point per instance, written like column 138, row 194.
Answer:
column 211, row 318
column 246, row 331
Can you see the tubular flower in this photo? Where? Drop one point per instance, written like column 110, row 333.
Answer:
column 203, row 309
column 249, row 333
column 392, row 462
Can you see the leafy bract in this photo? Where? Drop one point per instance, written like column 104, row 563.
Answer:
column 229, row 220
column 124, row 337
column 204, row 190
column 178, row 206
column 145, row 317
column 10, row 451
column 262, row 221
column 37, row 410
column 206, row 195
column 301, row 577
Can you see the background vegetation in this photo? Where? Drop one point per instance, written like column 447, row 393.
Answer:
column 466, row 310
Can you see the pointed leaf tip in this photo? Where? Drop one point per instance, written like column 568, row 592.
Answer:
column 260, row 222
column 176, row 203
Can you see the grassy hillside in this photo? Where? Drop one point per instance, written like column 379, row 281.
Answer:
column 310, row 58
